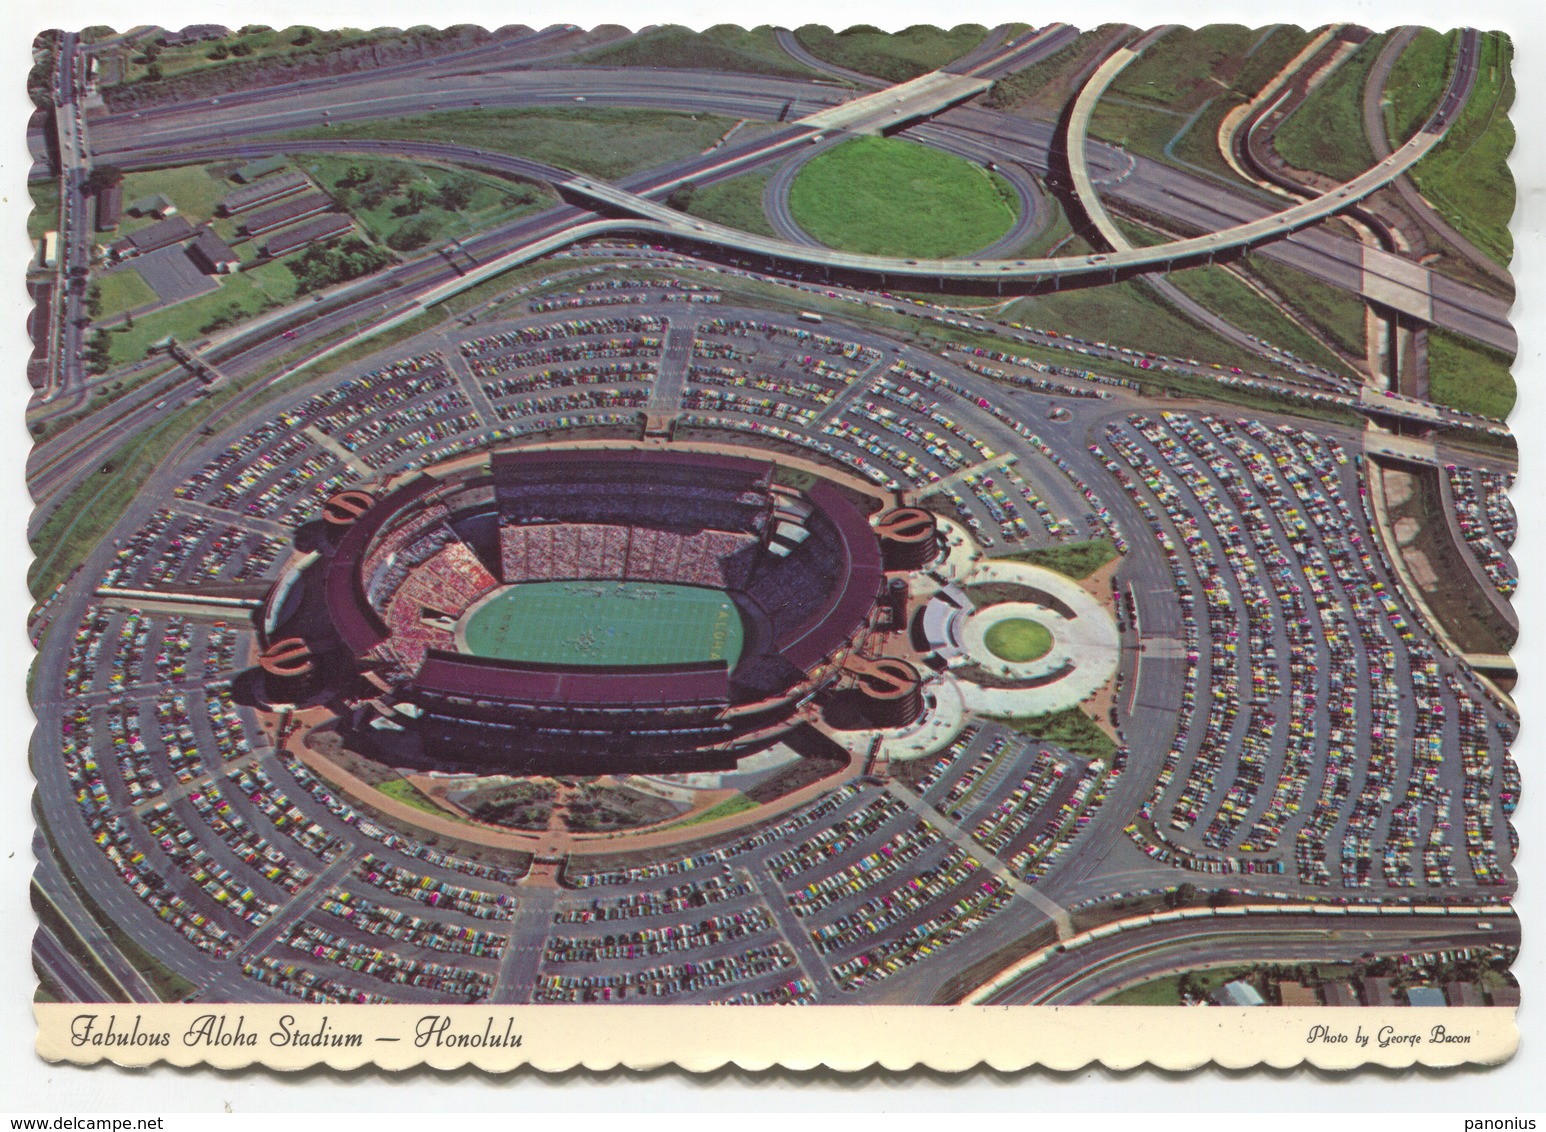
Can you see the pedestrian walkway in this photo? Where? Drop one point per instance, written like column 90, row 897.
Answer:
column 1054, row 911
column 349, row 459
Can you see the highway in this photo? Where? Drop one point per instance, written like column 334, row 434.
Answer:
column 1103, row 966
column 890, row 270
column 1379, row 143
column 1163, row 190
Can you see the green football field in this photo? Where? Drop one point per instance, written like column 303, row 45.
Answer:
column 607, row 623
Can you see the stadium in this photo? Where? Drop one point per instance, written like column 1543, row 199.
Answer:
column 586, row 610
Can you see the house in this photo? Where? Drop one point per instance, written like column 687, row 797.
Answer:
column 259, row 168
column 1464, row 994
column 285, row 212
column 158, row 205
column 171, row 231
column 109, row 207
column 1377, row 992
column 266, row 191
column 212, row 254
column 1505, row 996
column 40, row 319
column 1339, row 993
column 1297, row 994
column 1238, row 993
column 319, row 229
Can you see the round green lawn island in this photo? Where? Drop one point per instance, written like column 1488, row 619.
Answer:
column 885, row 196
column 1018, row 639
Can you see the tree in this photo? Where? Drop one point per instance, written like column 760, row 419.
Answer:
column 153, row 73
column 303, row 39
column 94, row 300
column 102, row 177
column 681, row 197
column 413, row 202
column 414, row 234
column 219, row 51
column 455, row 194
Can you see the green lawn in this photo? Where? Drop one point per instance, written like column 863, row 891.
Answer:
column 1326, row 133
column 1146, row 130
column 1466, row 375
column 1018, row 639
column 1339, row 313
column 259, row 43
column 1240, row 306
column 44, row 216
column 607, row 623
column 124, row 290
column 1178, row 70
column 736, row 203
column 892, row 56
column 735, row 804
column 1048, row 79
column 240, row 297
column 1127, row 314
column 604, row 143
column 1416, row 82
column 1466, row 176
column 1275, row 53
column 1167, row 991
column 406, row 205
column 402, row 790
column 1198, row 144
column 194, row 189
column 723, row 47
column 1070, row 729
column 890, row 197
column 1075, row 559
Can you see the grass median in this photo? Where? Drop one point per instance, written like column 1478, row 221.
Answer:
column 601, row 142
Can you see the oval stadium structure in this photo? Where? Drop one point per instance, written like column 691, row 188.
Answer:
column 577, row 610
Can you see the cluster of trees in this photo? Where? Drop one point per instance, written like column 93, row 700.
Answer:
column 521, row 805
column 223, row 50
column 323, row 265
column 98, row 352
column 414, row 234
column 102, row 177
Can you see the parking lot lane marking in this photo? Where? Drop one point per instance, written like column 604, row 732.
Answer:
column 794, row 935
column 671, row 379
column 298, row 905
column 958, row 476
column 353, row 462
column 928, row 814
column 458, row 368
column 232, row 518
column 182, row 790
column 528, row 939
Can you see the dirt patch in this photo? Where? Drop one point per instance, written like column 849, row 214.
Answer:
column 1422, row 570
column 1398, row 488
column 1406, row 530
